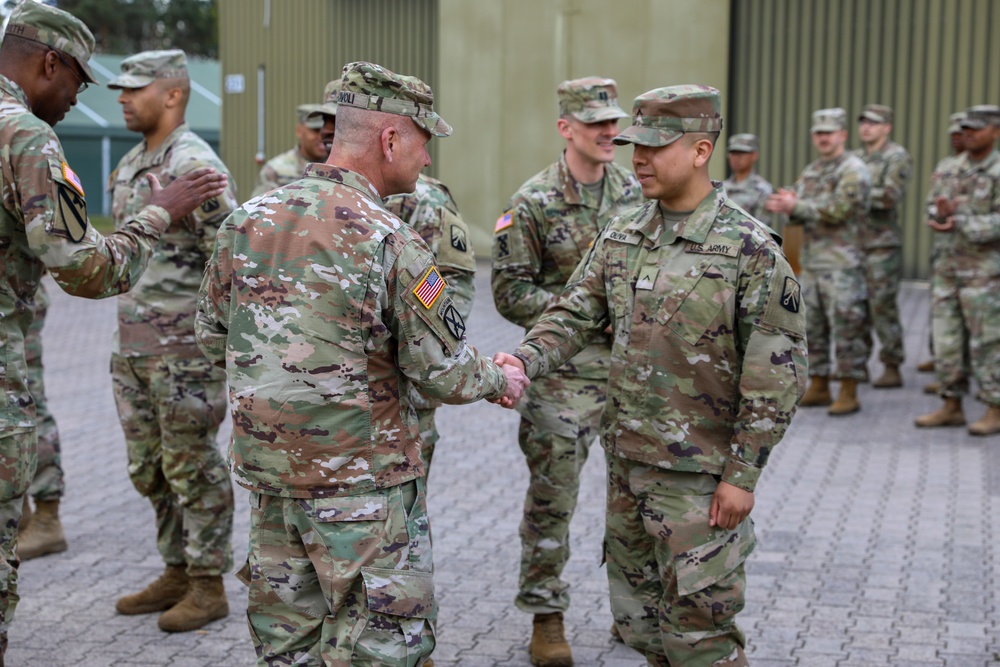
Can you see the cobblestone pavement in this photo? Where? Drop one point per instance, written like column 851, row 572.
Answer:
column 878, row 541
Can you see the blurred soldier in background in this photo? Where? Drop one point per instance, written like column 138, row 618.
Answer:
column 287, row 167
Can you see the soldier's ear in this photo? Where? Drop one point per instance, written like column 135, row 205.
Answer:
column 390, row 142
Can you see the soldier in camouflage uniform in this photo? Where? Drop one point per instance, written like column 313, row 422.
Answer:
column 707, row 364
column 745, row 186
column 327, row 113
column 41, row 533
column 831, row 200
column 546, row 230
column 43, row 223
column 288, row 166
column 432, row 212
column 170, row 398
column 324, row 435
column 964, row 210
column 891, row 168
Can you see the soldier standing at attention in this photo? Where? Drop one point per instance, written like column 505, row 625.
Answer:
column 432, row 212
column 964, row 210
column 745, row 186
column 170, row 398
column 550, row 223
column 287, row 167
column 831, row 200
column 891, row 168
column 707, row 365
column 43, row 223
column 324, row 436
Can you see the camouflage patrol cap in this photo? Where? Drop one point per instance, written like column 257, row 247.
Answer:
column 877, row 113
column 310, row 115
column 980, row 116
column 955, row 122
column 329, row 105
column 144, row 68
column 369, row 86
column 589, row 100
column 829, row 120
column 661, row 116
column 743, row 143
column 54, row 28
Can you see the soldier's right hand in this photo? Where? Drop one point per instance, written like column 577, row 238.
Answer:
column 517, row 381
column 188, row 192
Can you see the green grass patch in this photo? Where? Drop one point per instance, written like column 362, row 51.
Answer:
column 103, row 223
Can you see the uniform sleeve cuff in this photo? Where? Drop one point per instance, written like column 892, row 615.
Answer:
column 741, row 474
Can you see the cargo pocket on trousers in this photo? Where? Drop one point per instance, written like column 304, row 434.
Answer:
column 709, row 563
column 403, row 593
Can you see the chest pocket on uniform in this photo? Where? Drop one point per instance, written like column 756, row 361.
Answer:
column 693, row 301
column 981, row 201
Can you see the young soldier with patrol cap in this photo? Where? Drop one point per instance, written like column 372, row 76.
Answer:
column 288, row 166
column 43, row 224
column 550, row 223
column 891, row 168
column 340, row 563
column 170, row 398
column 745, row 186
column 831, row 200
column 964, row 210
column 707, row 365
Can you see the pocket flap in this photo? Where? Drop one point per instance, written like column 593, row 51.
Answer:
column 346, row 508
column 700, row 567
column 405, row 593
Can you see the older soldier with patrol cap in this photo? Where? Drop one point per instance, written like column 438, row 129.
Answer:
column 707, row 365
column 745, row 186
column 546, row 230
column 891, row 169
column 170, row 398
column 43, row 223
column 831, row 200
column 288, row 166
column 964, row 210
column 324, row 435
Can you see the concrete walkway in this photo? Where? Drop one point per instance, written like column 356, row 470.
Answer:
column 879, row 542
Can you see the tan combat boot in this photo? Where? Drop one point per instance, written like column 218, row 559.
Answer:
column 890, row 378
column 932, row 388
column 164, row 593
column 818, row 392
column 44, row 534
column 205, row 602
column 549, row 647
column 989, row 424
column 926, row 366
column 25, row 515
column 429, row 662
column 847, row 400
column 949, row 414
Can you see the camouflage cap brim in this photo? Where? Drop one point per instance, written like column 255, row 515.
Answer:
column 873, row 117
column 434, row 124
column 647, row 136
column 130, row 81
column 323, row 110
column 826, row 127
column 599, row 114
column 741, row 148
column 972, row 124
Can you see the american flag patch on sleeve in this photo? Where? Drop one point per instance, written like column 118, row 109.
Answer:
column 430, row 287
column 72, row 178
column 504, row 221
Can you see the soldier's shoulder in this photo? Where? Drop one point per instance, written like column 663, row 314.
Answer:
column 855, row 166
column 543, row 182
column 191, row 151
column 761, row 184
column 735, row 224
column 25, row 133
column 897, row 151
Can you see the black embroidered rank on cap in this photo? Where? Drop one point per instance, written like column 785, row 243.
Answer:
column 791, row 295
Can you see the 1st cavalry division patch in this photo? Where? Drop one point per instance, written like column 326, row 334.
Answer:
column 430, row 287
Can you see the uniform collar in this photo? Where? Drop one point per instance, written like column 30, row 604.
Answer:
column 344, row 177
column 8, row 86
column 983, row 165
column 147, row 160
column 695, row 229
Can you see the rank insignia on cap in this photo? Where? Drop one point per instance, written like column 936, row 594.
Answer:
column 504, row 221
column 430, row 287
column 72, row 178
column 791, row 295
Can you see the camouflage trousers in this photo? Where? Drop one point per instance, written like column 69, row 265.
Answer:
column 429, row 437
column 343, row 581
column 48, row 483
column 560, row 419
column 966, row 333
column 17, row 467
column 883, row 268
column 170, row 409
column 676, row 584
column 837, row 312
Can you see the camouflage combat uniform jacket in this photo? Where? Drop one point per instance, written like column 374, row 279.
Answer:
column 550, row 223
column 157, row 316
column 43, row 223
column 750, row 195
column 972, row 249
column 890, row 169
column 709, row 355
column 322, row 304
column 833, row 201
column 280, row 170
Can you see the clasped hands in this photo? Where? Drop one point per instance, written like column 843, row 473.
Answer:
column 517, row 381
column 944, row 221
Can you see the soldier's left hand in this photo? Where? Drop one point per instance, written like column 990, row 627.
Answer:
column 782, row 201
column 946, row 226
column 730, row 505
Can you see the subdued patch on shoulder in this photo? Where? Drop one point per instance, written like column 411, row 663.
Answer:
column 784, row 305
column 713, row 249
column 72, row 213
column 454, row 249
column 501, row 246
column 452, row 319
column 623, row 237
column 211, row 205
column 504, row 221
column 111, row 180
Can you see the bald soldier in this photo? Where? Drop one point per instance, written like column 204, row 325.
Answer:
column 707, row 364
column 43, row 224
column 170, row 398
column 745, row 186
column 549, row 224
column 288, row 166
column 324, row 435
